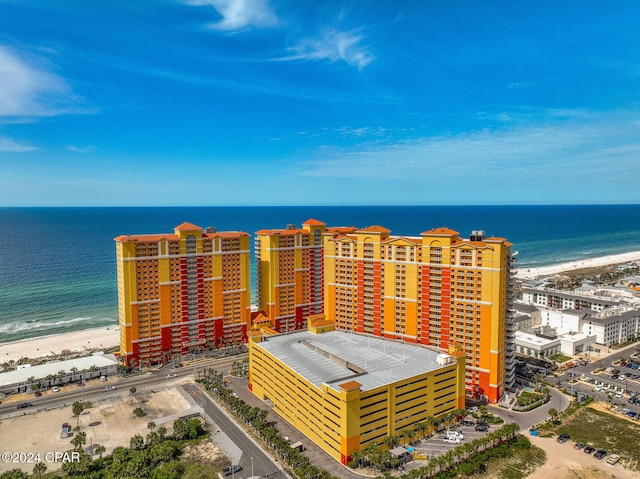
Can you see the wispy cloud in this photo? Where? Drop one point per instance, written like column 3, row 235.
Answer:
column 541, row 151
column 79, row 149
column 29, row 90
column 7, row 144
column 334, row 45
column 238, row 15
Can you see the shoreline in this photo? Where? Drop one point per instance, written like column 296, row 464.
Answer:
column 81, row 341
column 106, row 337
column 602, row 261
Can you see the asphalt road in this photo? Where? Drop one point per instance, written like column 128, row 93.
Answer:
column 252, row 454
column 94, row 389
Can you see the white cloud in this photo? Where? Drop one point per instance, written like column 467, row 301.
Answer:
column 334, row 45
column 80, row 149
column 604, row 146
column 9, row 145
column 240, row 14
column 27, row 90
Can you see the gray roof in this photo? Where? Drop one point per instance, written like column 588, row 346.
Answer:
column 525, row 307
column 375, row 362
column 101, row 361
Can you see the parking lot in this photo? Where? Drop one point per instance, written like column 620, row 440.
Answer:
column 439, row 443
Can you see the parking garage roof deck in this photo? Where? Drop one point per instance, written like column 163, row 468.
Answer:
column 338, row 357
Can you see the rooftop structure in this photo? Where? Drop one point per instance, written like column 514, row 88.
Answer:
column 346, row 390
column 336, row 357
column 58, row 372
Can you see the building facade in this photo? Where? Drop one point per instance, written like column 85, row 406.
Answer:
column 612, row 321
column 558, row 299
column 179, row 293
column 290, row 274
column 436, row 289
column 345, row 390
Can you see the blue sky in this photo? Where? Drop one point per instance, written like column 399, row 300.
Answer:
column 256, row 102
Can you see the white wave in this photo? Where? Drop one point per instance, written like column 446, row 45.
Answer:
column 12, row 328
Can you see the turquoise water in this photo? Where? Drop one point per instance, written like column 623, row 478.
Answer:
column 57, row 265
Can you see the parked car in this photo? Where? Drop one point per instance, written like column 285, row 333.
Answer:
column 467, row 423
column 562, row 438
column 452, row 440
column 600, row 453
column 55, row 389
column 589, row 449
column 578, row 445
column 227, row 471
column 482, row 427
column 38, row 394
column 613, row 458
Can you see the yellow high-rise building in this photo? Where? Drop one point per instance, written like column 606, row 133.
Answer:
column 181, row 292
column 290, row 281
column 345, row 390
column 436, row 289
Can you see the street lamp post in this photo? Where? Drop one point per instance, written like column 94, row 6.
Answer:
column 251, row 466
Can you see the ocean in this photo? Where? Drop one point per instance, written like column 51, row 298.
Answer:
column 58, row 272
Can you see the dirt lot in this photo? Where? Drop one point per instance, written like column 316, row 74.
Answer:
column 110, row 424
column 565, row 462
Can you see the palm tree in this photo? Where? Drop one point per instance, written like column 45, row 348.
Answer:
column 433, row 423
column 100, row 450
column 39, row 469
column 79, row 440
column 420, row 428
column 77, row 409
column 468, row 449
column 136, row 442
column 391, row 441
column 358, row 457
column 407, row 434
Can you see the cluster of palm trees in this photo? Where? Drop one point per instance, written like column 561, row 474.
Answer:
column 257, row 419
column 379, row 459
column 375, row 456
column 461, row 456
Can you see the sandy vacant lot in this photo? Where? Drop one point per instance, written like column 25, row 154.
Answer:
column 109, row 423
column 565, row 462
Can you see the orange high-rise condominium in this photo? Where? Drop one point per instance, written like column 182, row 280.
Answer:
column 437, row 289
column 290, row 281
column 182, row 292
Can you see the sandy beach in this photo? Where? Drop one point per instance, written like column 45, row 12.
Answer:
column 77, row 342
column 533, row 273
